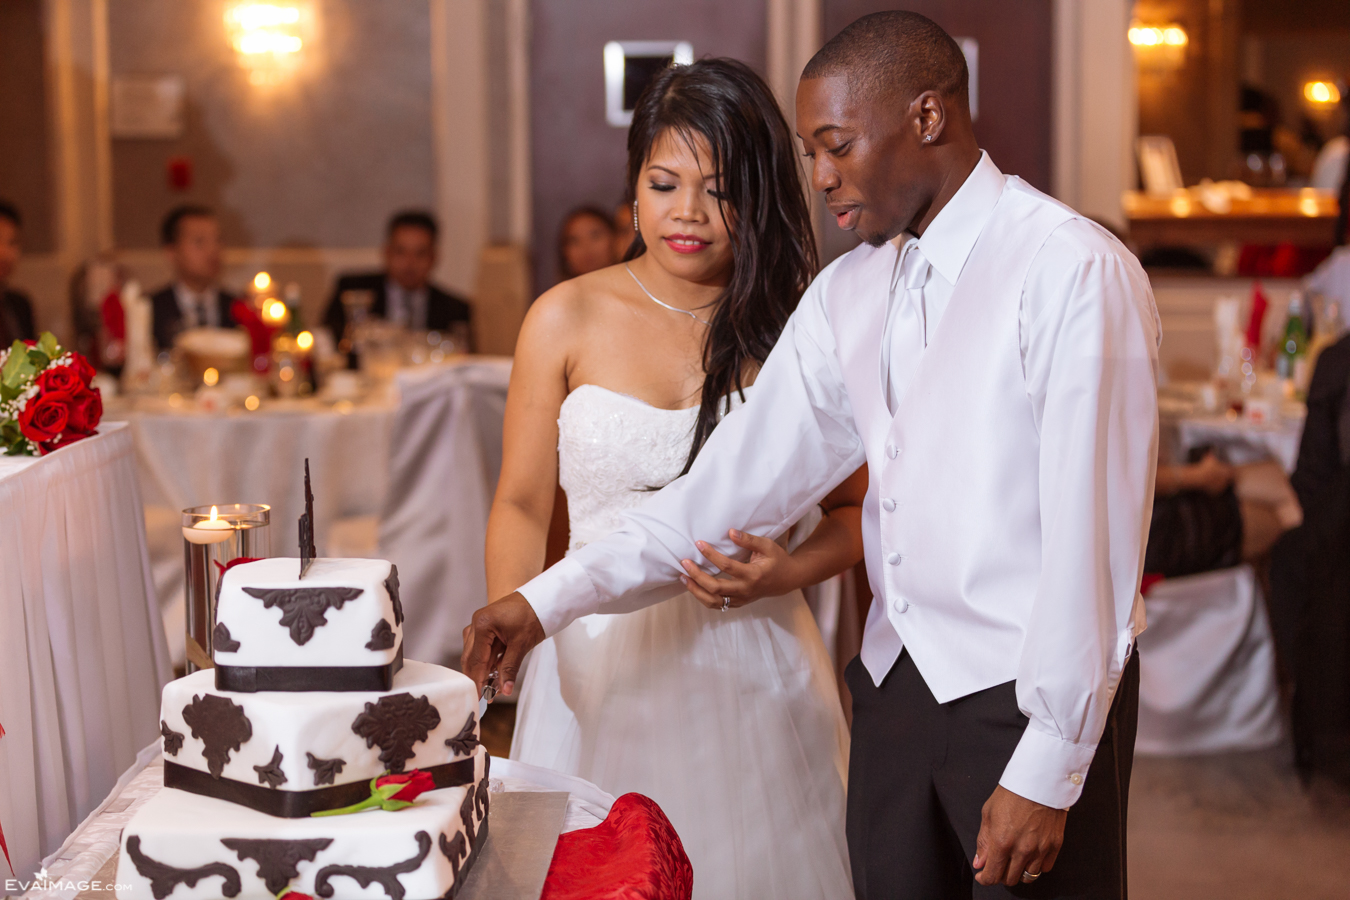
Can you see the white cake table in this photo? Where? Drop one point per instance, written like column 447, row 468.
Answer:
column 86, row 863
column 82, row 651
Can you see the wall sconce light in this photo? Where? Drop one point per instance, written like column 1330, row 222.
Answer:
column 1321, row 93
column 267, row 37
column 1159, row 46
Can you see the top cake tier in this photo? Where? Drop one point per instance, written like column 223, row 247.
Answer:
column 340, row 627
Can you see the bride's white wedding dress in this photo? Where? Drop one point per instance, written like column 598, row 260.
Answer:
column 730, row 721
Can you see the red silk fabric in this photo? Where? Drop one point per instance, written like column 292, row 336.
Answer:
column 634, row 854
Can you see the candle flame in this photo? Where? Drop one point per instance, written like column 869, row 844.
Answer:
column 215, row 514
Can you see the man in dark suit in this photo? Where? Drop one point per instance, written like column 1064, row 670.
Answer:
column 191, row 235
column 16, row 310
column 403, row 293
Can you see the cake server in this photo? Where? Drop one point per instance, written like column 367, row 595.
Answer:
column 489, row 691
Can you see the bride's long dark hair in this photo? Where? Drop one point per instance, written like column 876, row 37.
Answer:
column 773, row 247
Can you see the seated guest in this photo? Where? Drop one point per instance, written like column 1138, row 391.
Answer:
column 16, row 311
column 191, row 235
column 1310, row 577
column 1210, row 515
column 585, row 242
column 403, row 293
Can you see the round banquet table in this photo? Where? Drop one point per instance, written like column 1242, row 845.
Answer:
column 410, row 470
column 82, row 649
column 1243, row 441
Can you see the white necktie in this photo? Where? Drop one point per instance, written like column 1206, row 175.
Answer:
column 905, row 336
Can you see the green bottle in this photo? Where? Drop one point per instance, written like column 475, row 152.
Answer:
column 1293, row 353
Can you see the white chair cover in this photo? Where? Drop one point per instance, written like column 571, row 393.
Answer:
column 82, row 651
column 1207, row 667
column 444, row 461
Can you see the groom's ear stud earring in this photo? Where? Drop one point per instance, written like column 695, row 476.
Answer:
column 928, row 139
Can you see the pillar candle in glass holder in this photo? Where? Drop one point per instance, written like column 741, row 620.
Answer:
column 213, row 537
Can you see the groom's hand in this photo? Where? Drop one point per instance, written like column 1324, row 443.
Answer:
column 499, row 636
column 1016, row 835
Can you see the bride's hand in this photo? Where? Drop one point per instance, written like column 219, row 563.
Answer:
column 770, row 572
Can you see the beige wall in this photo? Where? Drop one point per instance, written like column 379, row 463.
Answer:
column 391, row 109
column 318, row 160
column 420, row 101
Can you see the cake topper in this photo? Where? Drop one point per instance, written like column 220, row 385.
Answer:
column 307, row 552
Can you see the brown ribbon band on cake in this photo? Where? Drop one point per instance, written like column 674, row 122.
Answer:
column 298, row 804
column 252, row 679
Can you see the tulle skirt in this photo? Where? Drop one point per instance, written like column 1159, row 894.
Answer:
column 730, row 721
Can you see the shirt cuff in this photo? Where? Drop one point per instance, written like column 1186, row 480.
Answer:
column 561, row 593
column 1048, row 770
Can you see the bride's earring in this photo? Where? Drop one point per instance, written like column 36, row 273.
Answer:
column 635, row 224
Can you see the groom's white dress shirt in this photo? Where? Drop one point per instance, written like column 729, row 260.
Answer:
column 1011, row 460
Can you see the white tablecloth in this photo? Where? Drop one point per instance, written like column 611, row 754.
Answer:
column 435, row 436
column 79, row 860
column 1242, row 441
column 82, row 651
column 443, row 472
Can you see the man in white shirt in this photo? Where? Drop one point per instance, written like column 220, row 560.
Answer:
column 992, row 357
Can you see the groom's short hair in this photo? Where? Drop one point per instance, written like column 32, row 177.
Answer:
column 895, row 56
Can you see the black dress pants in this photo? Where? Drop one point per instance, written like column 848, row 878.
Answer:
column 919, row 775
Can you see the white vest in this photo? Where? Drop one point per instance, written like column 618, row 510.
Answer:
column 959, row 458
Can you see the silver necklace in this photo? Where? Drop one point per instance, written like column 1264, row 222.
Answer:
column 652, row 296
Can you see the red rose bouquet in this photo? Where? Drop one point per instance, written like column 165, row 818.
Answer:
column 45, row 398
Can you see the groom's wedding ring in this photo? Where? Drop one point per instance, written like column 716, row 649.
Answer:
column 726, row 604
column 1028, row 877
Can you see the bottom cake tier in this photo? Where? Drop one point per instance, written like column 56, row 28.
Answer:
column 185, row 846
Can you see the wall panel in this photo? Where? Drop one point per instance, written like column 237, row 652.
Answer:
column 576, row 157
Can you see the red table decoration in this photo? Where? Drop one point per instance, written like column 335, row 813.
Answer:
column 634, row 854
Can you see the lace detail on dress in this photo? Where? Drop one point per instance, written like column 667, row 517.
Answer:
column 612, row 449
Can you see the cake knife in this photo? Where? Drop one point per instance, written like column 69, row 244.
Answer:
column 489, row 691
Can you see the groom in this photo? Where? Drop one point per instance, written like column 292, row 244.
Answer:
column 992, row 357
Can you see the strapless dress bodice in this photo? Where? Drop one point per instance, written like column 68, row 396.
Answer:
column 613, row 452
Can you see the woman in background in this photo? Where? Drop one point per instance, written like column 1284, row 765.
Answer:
column 585, row 242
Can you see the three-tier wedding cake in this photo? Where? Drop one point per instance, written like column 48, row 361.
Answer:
column 311, row 709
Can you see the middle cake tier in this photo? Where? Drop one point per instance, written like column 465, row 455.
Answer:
column 292, row 754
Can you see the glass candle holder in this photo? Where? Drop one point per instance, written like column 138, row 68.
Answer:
column 213, row 537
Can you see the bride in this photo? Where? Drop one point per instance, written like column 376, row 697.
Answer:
column 728, row 717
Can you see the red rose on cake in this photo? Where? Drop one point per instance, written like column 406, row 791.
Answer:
column 390, row 793
column 415, row 784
